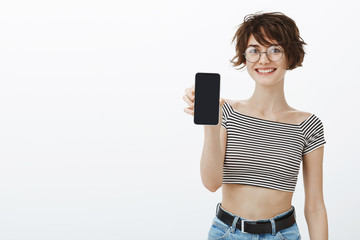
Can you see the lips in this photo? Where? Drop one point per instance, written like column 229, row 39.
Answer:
column 265, row 70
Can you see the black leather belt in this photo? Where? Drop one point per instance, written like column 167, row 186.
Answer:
column 249, row 226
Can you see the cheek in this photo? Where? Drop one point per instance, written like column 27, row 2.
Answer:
column 249, row 70
column 284, row 62
column 249, row 66
column 281, row 65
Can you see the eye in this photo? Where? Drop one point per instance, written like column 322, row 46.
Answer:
column 275, row 49
column 252, row 50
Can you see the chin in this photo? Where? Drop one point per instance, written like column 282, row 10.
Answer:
column 266, row 80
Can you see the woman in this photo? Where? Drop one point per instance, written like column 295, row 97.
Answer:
column 256, row 150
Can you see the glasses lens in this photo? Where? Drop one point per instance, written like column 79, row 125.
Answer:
column 252, row 54
column 274, row 53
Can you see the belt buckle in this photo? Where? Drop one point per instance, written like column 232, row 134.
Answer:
column 242, row 226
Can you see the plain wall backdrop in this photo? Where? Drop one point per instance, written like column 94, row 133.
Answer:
column 94, row 140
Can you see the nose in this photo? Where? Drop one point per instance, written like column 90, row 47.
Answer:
column 263, row 58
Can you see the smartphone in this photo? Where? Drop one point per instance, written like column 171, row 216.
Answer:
column 207, row 94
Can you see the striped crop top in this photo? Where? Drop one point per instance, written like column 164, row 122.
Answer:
column 266, row 153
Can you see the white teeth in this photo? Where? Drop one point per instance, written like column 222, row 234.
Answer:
column 266, row 71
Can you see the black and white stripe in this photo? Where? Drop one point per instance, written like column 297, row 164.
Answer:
column 266, row 153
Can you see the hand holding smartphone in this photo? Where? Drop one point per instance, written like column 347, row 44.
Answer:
column 207, row 94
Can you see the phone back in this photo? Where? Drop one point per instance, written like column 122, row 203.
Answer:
column 207, row 94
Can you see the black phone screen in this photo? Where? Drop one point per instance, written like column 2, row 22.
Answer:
column 207, row 94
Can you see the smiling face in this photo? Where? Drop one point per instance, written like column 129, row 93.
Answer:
column 265, row 71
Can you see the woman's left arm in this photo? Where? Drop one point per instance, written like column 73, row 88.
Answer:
column 315, row 211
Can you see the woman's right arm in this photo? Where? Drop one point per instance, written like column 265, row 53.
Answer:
column 212, row 158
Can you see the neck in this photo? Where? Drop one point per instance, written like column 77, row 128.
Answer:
column 268, row 100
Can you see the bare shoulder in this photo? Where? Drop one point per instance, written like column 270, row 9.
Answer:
column 233, row 103
column 238, row 105
column 298, row 116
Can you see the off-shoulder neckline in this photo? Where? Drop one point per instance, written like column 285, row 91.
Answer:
column 266, row 120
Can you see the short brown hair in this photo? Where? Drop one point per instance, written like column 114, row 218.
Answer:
column 274, row 26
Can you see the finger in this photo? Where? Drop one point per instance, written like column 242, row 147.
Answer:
column 190, row 94
column 188, row 91
column 188, row 101
column 189, row 111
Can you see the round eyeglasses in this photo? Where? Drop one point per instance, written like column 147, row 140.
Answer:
column 273, row 53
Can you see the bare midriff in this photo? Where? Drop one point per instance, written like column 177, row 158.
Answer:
column 254, row 203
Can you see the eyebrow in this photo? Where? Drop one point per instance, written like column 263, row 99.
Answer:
column 256, row 45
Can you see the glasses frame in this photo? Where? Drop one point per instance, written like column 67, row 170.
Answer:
column 266, row 53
